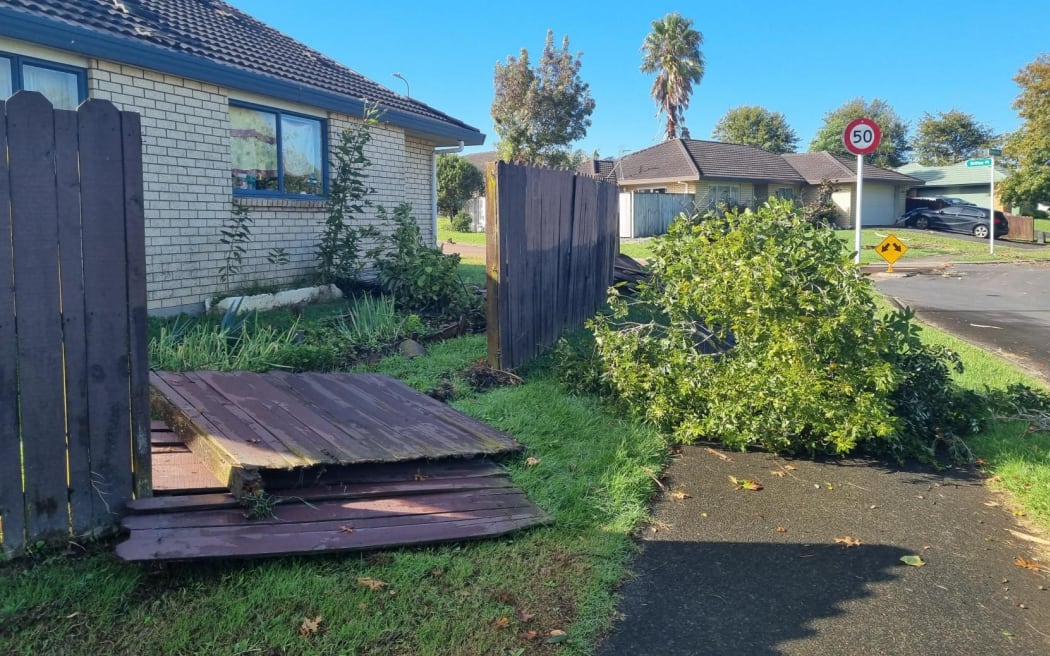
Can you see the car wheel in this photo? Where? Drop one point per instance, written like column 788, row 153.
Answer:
column 922, row 223
column 980, row 231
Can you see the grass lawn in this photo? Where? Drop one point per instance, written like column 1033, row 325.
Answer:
column 445, row 232
column 1042, row 224
column 919, row 243
column 593, row 472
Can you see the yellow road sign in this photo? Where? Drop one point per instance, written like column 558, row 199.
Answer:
column 891, row 249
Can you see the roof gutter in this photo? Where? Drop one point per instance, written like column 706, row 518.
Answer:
column 434, row 182
column 102, row 45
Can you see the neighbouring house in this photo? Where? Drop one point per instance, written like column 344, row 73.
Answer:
column 233, row 111
column 602, row 169
column 970, row 183
column 883, row 195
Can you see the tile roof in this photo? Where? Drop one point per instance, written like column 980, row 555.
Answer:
column 953, row 175
column 603, row 169
column 208, row 30
column 815, row 167
column 693, row 159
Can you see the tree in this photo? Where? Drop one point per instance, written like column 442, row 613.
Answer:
column 672, row 51
column 756, row 126
column 458, row 181
column 539, row 112
column 949, row 137
column 1030, row 144
column 894, row 146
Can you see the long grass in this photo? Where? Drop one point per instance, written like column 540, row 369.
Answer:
column 254, row 347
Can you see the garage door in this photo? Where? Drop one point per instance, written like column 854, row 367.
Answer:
column 879, row 205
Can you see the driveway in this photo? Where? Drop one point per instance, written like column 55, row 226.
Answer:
column 1002, row 307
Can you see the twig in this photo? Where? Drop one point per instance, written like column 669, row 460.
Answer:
column 653, row 476
column 723, row 457
column 857, row 486
column 1029, row 538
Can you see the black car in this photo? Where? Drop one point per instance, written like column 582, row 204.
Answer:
column 968, row 219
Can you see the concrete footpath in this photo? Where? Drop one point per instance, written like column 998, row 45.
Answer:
column 731, row 571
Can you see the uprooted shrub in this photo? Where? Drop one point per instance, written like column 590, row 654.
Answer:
column 757, row 329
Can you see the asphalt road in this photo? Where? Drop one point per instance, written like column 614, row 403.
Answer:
column 1003, row 307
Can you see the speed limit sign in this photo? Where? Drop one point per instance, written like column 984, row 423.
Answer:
column 862, row 136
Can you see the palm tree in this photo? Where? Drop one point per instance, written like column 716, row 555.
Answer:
column 672, row 51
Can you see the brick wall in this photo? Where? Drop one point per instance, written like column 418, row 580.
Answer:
column 186, row 160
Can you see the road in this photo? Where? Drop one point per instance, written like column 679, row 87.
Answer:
column 1003, row 307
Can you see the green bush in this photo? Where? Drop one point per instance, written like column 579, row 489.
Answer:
column 462, row 222
column 421, row 278
column 761, row 331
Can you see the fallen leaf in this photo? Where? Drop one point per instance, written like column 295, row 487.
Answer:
column 310, row 626
column 847, row 540
column 704, row 515
column 992, row 504
column 372, row 584
column 914, row 561
column 829, row 486
column 501, row 622
column 524, row 616
column 778, row 473
column 781, row 529
column 530, row 635
column 790, row 467
column 503, row 597
column 346, row 529
column 557, row 635
column 721, row 456
column 437, row 573
column 979, row 462
column 745, row 483
column 678, row 495
column 1021, row 561
column 532, row 461
column 1018, row 513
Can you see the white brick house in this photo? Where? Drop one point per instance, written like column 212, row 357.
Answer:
column 250, row 124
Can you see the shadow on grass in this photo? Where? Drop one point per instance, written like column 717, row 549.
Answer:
column 741, row 598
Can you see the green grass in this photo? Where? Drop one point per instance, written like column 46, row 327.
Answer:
column 445, row 232
column 920, row 244
column 1042, row 224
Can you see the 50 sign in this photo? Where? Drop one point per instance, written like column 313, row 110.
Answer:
column 862, row 136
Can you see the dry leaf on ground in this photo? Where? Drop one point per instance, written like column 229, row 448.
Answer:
column 778, row 473
column 557, row 635
column 310, row 626
column 524, row 616
column 1023, row 562
column 745, row 483
column 790, row 467
column 372, row 584
column 847, row 540
column 530, row 635
column 532, row 461
column 781, row 529
column 501, row 622
column 346, row 529
column 678, row 495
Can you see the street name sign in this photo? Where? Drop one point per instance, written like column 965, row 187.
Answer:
column 983, row 161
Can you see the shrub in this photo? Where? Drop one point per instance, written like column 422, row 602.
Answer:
column 462, row 222
column 762, row 332
column 421, row 278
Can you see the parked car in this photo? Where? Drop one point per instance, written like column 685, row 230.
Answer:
column 967, row 219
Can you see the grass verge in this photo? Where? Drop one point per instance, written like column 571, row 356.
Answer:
column 445, row 232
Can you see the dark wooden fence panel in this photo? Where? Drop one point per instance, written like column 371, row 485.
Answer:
column 552, row 244
column 652, row 214
column 72, row 319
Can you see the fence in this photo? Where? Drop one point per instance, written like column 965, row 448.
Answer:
column 475, row 207
column 74, row 415
column 552, row 242
column 646, row 215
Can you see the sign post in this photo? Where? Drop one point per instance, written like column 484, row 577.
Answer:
column 861, row 137
column 891, row 249
column 990, row 163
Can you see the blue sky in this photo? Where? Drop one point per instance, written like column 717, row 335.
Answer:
column 802, row 59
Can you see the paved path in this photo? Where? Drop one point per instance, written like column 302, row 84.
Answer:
column 1004, row 307
column 719, row 576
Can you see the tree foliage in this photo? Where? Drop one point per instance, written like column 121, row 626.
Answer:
column 1030, row 144
column 458, row 181
column 792, row 355
column 539, row 111
column 672, row 51
column 756, row 126
column 949, row 137
column 894, row 147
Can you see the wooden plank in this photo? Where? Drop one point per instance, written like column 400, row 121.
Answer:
column 31, row 144
column 135, row 270
column 105, row 293
column 492, row 265
column 12, row 502
column 182, row 472
column 513, row 205
column 247, row 541
column 70, row 243
column 358, row 509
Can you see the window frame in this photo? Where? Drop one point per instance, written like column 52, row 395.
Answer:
column 280, row 192
column 712, row 191
column 17, row 61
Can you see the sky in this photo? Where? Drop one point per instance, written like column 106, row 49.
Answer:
column 802, row 58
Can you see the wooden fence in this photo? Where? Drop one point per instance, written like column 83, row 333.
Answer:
column 551, row 246
column 647, row 215
column 74, row 414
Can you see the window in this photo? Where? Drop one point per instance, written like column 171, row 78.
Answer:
column 729, row 194
column 785, row 193
column 65, row 86
column 276, row 152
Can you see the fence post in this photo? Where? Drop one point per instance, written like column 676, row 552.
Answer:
column 492, row 264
